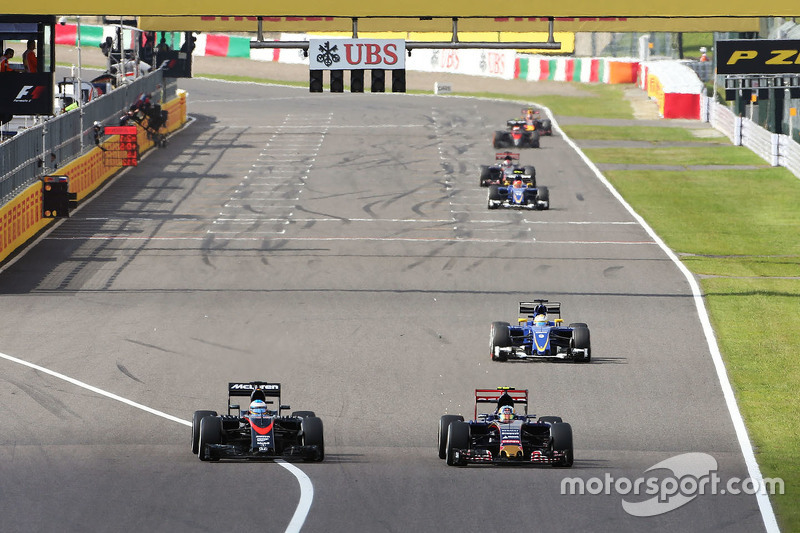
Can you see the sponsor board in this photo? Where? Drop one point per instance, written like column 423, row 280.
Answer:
column 353, row 54
column 758, row 56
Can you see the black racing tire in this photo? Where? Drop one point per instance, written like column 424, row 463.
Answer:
column 530, row 169
column 196, row 418
column 543, row 195
column 499, row 336
column 547, row 127
column 303, row 414
column 581, row 339
column 578, row 325
column 561, row 435
column 497, row 139
column 210, row 433
column 444, row 428
column 457, row 439
column 494, row 195
column 486, row 175
column 535, row 139
column 550, row 420
column 313, row 435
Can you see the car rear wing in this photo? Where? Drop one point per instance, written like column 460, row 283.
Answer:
column 531, row 308
column 499, row 156
column 518, row 396
column 515, row 122
column 269, row 390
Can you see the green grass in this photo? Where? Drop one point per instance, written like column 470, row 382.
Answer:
column 756, row 322
column 653, row 134
column 682, row 156
column 742, row 224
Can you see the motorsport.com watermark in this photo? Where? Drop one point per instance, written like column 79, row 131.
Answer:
column 693, row 474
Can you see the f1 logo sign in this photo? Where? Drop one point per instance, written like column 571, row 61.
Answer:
column 356, row 54
column 28, row 93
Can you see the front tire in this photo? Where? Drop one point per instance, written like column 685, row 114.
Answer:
column 582, row 340
column 494, row 196
column 311, row 426
column 561, row 435
column 302, row 414
column 210, row 433
column 500, row 337
column 457, row 439
column 444, row 431
column 196, row 418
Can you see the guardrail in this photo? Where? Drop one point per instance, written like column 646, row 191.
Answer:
column 41, row 149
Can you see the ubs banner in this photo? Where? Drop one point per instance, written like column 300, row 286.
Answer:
column 356, row 54
column 758, row 56
column 26, row 93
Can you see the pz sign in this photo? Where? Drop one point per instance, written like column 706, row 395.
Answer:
column 356, row 54
column 758, row 56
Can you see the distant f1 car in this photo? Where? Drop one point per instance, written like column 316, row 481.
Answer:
column 536, row 337
column 260, row 433
column 518, row 194
column 518, row 135
column 506, row 171
column 506, row 435
column 542, row 125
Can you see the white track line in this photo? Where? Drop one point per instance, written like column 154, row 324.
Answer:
column 306, row 487
column 764, row 505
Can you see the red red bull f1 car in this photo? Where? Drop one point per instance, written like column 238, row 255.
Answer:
column 506, row 435
column 258, row 432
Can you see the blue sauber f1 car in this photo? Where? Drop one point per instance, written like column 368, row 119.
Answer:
column 519, row 194
column 537, row 337
column 257, row 432
column 506, row 435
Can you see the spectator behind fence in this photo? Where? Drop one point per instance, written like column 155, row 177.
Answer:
column 29, row 61
column 107, row 45
column 5, row 66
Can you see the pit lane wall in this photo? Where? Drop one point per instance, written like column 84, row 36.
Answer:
column 21, row 218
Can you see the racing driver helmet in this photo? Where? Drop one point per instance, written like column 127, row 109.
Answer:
column 258, row 407
column 505, row 414
column 517, row 184
column 507, row 162
column 540, row 320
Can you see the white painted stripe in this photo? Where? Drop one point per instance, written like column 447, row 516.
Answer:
column 306, row 497
column 101, row 392
column 753, row 470
column 353, row 239
column 306, row 487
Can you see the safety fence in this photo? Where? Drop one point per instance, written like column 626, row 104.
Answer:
column 775, row 149
column 41, row 149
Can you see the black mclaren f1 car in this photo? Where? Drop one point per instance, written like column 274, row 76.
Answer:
column 258, row 432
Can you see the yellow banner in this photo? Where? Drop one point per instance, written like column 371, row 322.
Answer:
column 505, row 24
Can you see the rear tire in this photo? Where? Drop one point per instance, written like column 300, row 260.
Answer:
column 500, row 336
column 550, row 420
column 532, row 171
column 497, row 139
column 535, row 139
column 457, row 439
column 210, row 433
column 311, row 427
column 547, row 127
column 196, row 418
column 485, row 176
column 444, row 428
column 562, row 442
column 581, row 339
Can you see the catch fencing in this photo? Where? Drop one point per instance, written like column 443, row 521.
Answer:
column 41, row 149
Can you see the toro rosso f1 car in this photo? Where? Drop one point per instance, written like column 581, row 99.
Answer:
column 505, row 435
column 258, row 432
column 519, row 194
column 537, row 337
column 542, row 125
column 506, row 171
column 519, row 134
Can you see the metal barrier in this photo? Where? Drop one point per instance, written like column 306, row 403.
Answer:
column 775, row 149
column 41, row 149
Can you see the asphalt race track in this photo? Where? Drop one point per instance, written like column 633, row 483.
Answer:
column 340, row 244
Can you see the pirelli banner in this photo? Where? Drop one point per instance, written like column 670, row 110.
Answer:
column 758, row 56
